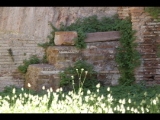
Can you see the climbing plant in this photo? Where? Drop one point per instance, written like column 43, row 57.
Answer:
column 127, row 57
column 153, row 11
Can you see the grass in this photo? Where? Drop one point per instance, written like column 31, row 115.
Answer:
column 118, row 99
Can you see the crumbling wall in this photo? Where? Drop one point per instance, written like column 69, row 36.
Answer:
column 147, row 37
column 22, row 28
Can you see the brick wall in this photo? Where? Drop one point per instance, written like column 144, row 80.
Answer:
column 147, row 38
column 100, row 52
column 22, row 28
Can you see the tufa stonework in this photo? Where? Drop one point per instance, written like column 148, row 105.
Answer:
column 100, row 52
column 22, row 28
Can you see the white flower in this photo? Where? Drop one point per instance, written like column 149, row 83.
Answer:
column 98, row 85
column 22, row 88
column 129, row 100
column 86, row 72
column 51, row 90
column 109, row 95
column 88, row 92
column 82, row 69
column 29, row 85
column 123, row 101
column 128, row 108
column 97, row 90
column 145, row 93
column 154, row 101
column 14, row 91
column 43, row 88
column 108, row 89
column 72, row 77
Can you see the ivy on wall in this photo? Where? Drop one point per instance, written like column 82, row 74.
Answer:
column 153, row 11
column 127, row 57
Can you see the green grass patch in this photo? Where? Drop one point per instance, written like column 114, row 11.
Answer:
column 116, row 99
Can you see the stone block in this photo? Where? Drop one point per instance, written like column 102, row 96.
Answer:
column 65, row 37
column 62, row 57
column 102, row 36
column 39, row 75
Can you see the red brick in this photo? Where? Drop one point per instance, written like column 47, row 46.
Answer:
column 149, row 56
column 157, row 81
column 147, row 50
column 158, row 28
column 151, row 62
column 157, row 76
column 148, row 33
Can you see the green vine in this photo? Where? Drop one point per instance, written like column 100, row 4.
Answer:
column 153, row 11
column 127, row 57
column 32, row 60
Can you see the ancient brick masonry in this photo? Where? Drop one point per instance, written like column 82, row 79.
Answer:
column 39, row 75
column 147, row 37
column 22, row 32
column 100, row 52
column 22, row 28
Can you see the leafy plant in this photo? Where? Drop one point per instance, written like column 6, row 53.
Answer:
column 127, row 56
column 153, row 11
column 11, row 54
column 114, row 99
column 78, row 71
column 50, row 37
column 32, row 60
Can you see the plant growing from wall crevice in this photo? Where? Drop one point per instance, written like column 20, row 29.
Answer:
column 127, row 57
column 153, row 11
column 32, row 60
column 11, row 54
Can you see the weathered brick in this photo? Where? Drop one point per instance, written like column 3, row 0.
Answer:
column 102, row 36
column 136, row 9
column 65, row 37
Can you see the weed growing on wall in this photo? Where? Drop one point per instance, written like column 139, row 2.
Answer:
column 11, row 54
column 127, row 56
column 153, row 11
column 50, row 37
column 32, row 60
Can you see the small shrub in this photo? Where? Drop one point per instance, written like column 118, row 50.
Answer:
column 78, row 71
column 32, row 60
column 153, row 11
